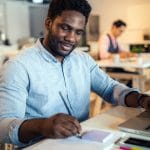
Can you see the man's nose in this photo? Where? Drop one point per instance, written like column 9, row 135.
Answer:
column 71, row 36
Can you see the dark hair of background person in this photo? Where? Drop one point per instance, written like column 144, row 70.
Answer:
column 58, row 6
column 119, row 23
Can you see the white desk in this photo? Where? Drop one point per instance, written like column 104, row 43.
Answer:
column 112, row 118
column 129, row 63
column 132, row 63
column 107, row 121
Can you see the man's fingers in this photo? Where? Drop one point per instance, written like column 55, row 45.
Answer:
column 62, row 132
column 75, row 122
column 148, row 105
column 67, row 118
column 60, row 126
column 71, row 128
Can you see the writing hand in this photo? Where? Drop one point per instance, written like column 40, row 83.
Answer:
column 60, row 126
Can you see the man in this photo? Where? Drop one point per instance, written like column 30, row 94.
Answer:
column 108, row 44
column 44, row 91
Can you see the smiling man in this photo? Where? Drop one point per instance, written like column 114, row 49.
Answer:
column 64, row 33
column 45, row 90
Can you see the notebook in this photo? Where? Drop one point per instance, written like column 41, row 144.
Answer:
column 139, row 124
column 97, row 136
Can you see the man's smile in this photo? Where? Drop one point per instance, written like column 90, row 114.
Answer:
column 66, row 46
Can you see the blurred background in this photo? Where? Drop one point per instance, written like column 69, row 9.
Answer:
column 22, row 19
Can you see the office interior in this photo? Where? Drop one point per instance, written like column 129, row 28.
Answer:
column 21, row 23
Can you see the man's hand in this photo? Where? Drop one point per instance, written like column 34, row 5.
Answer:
column 135, row 99
column 145, row 102
column 60, row 126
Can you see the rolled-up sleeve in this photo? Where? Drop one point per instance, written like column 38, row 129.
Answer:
column 9, row 130
column 109, row 89
column 120, row 92
column 13, row 94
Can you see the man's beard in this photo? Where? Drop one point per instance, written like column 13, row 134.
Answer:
column 53, row 45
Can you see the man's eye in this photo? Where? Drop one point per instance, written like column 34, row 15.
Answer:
column 64, row 27
column 79, row 33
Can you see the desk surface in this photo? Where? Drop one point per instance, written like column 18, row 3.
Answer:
column 110, row 120
column 107, row 121
column 130, row 62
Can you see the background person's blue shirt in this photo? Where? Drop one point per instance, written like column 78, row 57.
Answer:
column 30, row 85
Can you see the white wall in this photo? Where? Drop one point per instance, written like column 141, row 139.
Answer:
column 1, row 18
column 17, row 21
column 135, row 12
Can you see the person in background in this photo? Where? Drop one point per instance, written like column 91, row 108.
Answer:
column 108, row 44
column 45, row 90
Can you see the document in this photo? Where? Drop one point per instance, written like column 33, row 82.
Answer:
column 72, row 143
column 97, row 135
column 90, row 140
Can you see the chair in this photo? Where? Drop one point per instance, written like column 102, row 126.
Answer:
column 95, row 104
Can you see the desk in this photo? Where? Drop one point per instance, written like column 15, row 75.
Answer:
column 134, row 63
column 106, row 121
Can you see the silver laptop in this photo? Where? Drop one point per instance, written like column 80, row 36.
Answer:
column 139, row 124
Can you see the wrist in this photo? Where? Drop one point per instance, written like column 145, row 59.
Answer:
column 30, row 130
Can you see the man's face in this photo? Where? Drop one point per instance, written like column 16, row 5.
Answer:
column 64, row 33
column 118, row 30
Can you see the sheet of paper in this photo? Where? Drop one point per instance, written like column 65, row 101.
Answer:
column 72, row 143
column 97, row 135
column 75, row 143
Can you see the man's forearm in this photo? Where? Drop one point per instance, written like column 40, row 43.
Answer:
column 30, row 130
column 58, row 126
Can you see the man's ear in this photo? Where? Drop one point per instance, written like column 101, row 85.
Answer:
column 48, row 23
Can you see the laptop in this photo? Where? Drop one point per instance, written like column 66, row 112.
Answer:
column 139, row 124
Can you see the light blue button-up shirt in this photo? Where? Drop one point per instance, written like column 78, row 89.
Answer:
column 30, row 87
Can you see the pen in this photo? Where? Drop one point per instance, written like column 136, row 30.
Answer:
column 78, row 135
column 118, row 140
column 69, row 112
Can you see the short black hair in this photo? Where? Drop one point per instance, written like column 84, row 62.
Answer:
column 58, row 6
column 119, row 23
